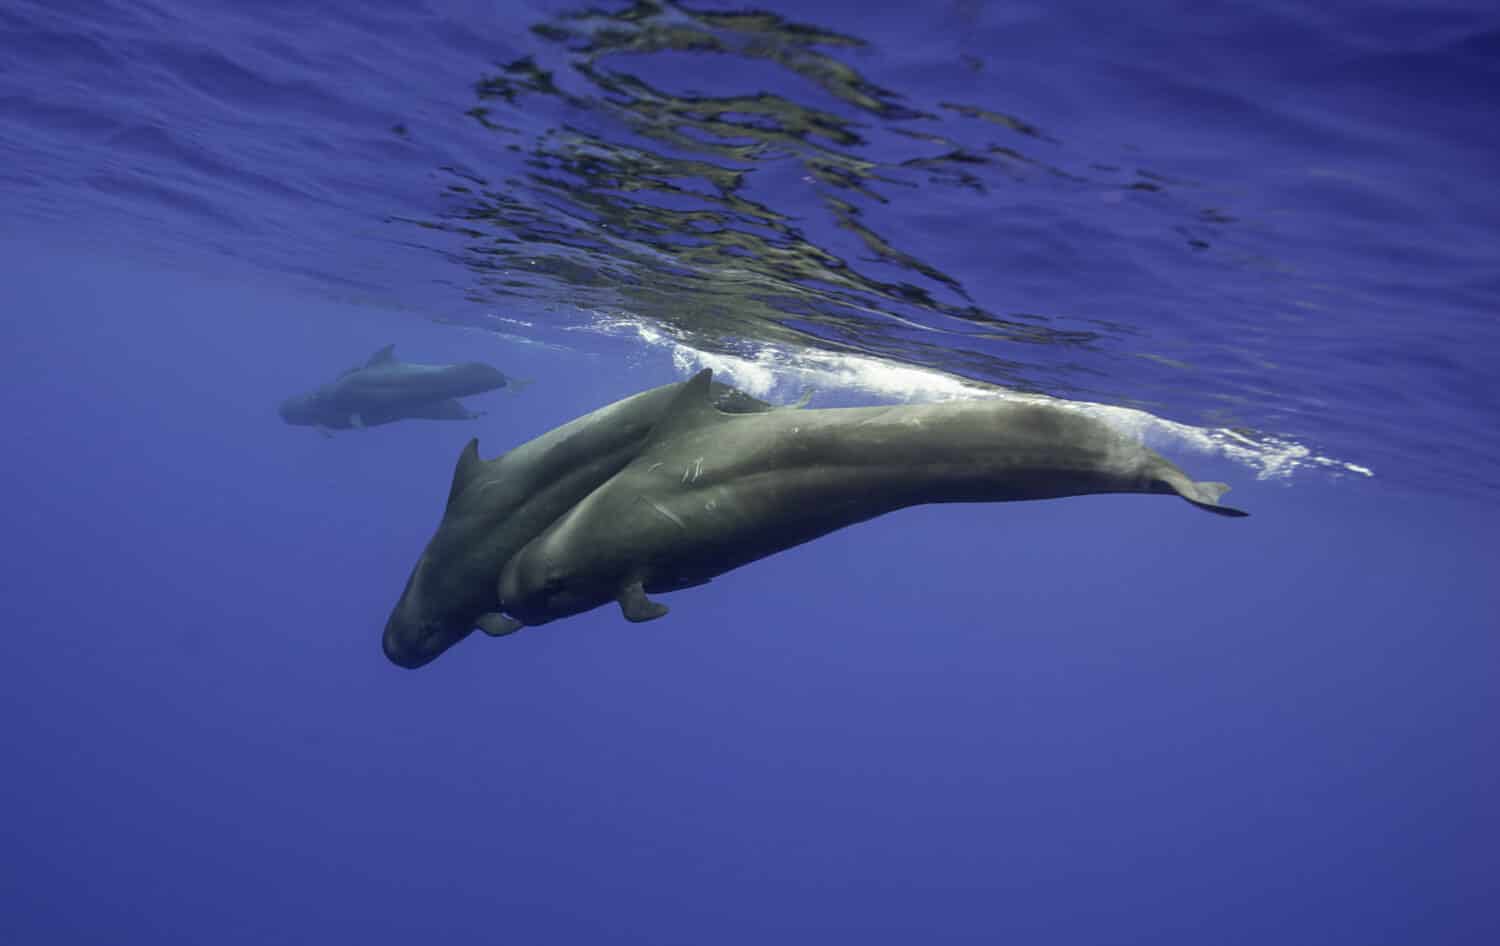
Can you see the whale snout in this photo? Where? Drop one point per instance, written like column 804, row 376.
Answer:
column 474, row 377
column 404, row 649
column 417, row 645
column 416, row 634
column 536, row 589
column 295, row 411
column 524, row 583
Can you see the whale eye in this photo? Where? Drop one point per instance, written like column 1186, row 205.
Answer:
column 553, row 575
column 552, row 582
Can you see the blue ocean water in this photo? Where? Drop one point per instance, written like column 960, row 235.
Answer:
column 1264, row 238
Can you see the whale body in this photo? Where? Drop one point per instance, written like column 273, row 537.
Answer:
column 710, row 492
column 496, row 506
column 383, row 389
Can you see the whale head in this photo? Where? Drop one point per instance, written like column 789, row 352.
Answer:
column 421, row 626
column 301, row 410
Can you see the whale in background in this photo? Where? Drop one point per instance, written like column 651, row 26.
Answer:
column 383, row 389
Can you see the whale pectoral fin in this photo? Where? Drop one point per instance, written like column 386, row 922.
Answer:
column 498, row 625
column 637, row 607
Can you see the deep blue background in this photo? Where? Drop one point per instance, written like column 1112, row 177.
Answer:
column 1078, row 721
column 1099, row 720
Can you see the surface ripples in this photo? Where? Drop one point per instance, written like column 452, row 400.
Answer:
column 1276, row 220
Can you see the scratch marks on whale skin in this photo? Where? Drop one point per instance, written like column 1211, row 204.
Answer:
column 693, row 470
column 487, row 484
column 669, row 514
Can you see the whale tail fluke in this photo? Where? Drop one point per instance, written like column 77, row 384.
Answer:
column 1205, row 495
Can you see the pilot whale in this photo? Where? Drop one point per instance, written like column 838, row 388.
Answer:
column 383, row 389
column 496, row 506
column 710, row 492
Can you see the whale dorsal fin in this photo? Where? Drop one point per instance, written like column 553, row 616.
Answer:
column 692, row 407
column 468, row 467
column 385, row 356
